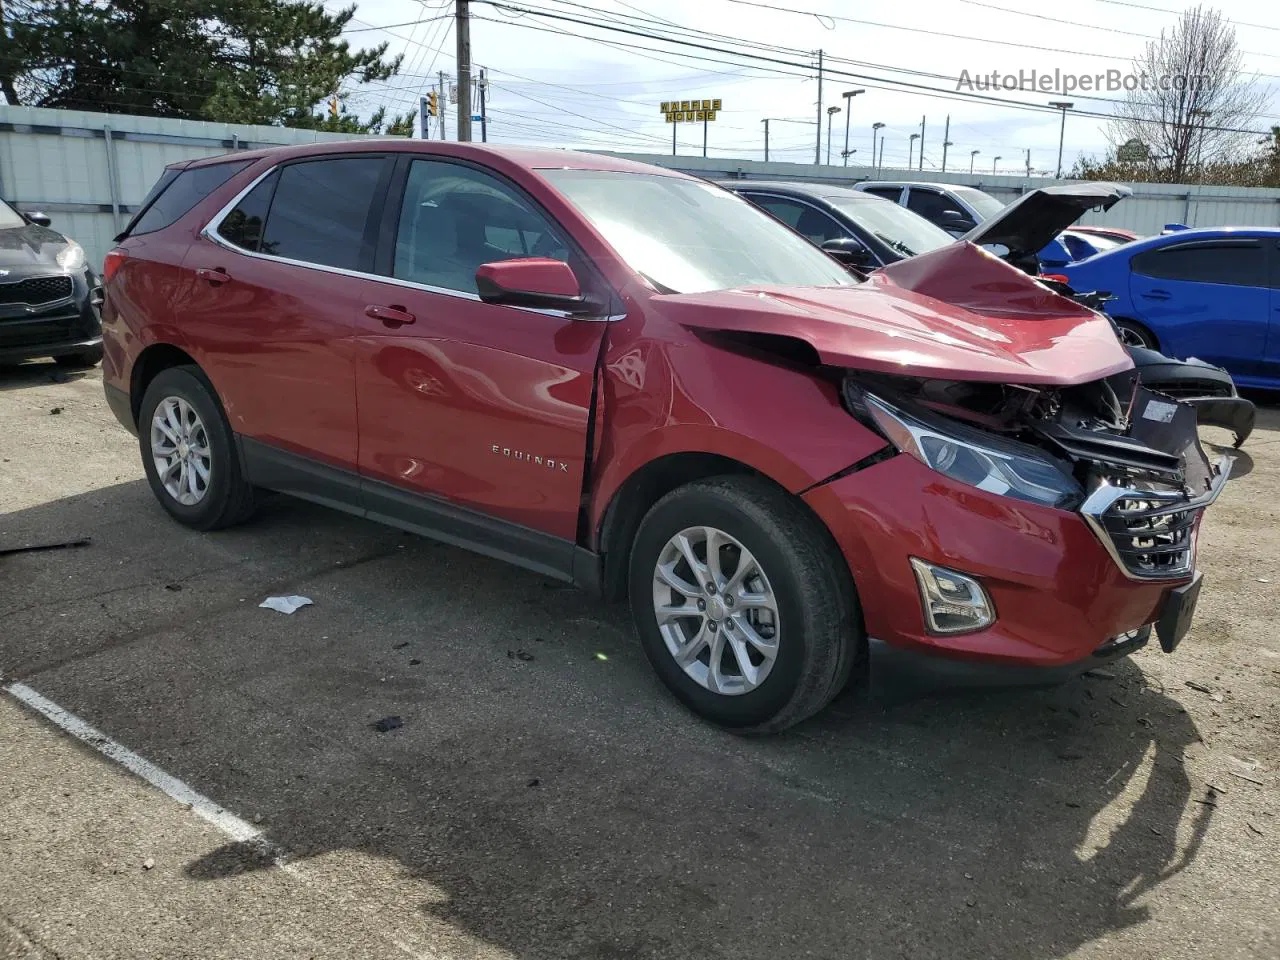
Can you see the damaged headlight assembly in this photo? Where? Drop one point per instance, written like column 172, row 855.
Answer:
column 973, row 457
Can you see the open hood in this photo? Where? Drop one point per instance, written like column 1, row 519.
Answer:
column 957, row 313
column 1034, row 219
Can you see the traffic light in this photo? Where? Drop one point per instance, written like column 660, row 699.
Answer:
column 433, row 104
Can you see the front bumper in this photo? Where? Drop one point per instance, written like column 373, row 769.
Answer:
column 55, row 329
column 1059, row 595
column 1233, row 413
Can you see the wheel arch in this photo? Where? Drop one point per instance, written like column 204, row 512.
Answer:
column 153, row 360
column 1141, row 326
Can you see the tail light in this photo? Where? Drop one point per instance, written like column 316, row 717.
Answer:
column 1059, row 277
column 111, row 263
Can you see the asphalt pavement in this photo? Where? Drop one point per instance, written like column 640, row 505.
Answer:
column 542, row 796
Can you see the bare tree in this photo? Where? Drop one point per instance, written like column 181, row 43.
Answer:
column 1197, row 102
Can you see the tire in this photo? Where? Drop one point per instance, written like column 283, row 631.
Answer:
column 1134, row 334
column 222, row 497
column 817, row 634
column 82, row 360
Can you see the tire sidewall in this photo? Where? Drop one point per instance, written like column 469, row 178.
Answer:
column 696, row 507
column 223, row 468
column 1139, row 331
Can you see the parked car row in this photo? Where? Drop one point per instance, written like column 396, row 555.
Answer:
column 633, row 380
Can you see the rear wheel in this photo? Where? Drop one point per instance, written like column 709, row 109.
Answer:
column 743, row 604
column 189, row 454
column 1134, row 334
column 76, row 361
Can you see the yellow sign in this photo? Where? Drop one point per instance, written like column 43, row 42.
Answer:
column 690, row 111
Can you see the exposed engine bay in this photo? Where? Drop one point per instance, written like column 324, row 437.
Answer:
column 1132, row 465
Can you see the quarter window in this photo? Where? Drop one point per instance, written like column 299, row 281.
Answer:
column 1236, row 262
column 243, row 225
column 453, row 219
column 176, row 194
column 888, row 193
column 321, row 209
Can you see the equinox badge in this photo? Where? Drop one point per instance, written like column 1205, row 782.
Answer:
column 529, row 458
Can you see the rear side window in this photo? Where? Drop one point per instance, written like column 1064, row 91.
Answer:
column 243, row 225
column 932, row 205
column 179, row 191
column 889, row 193
column 320, row 211
column 1240, row 263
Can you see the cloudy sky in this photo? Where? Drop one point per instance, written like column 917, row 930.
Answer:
column 563, row 83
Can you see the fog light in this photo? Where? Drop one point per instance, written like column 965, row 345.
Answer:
column 952, row 602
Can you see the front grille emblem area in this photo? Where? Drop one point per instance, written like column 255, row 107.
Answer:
column 533, row 460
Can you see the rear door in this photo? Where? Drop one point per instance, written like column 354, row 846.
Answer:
column 272, row 293
column 1209, row 299
column 473, row 408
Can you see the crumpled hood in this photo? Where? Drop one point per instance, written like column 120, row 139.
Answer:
column 957, row 313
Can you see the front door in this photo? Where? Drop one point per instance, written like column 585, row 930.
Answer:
column 484, row 407
column 1209, row 299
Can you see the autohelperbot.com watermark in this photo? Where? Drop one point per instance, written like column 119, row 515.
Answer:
column 1060, row 81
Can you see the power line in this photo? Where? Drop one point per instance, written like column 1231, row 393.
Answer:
column 1142, row 6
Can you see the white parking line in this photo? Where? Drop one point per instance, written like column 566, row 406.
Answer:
column 201, row 805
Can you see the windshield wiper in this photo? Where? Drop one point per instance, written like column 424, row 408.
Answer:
column 898, row 245
column 660, row 287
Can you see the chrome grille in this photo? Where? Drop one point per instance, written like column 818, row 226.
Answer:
column 1150, row 534
column 1154, row 538
column 35, row 291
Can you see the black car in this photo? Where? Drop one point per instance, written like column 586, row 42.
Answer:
column 49, row 297
column 860, row 230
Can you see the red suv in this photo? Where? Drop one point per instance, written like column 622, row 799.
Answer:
column 633, row 380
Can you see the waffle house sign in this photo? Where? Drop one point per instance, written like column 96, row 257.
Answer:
column 690, row 111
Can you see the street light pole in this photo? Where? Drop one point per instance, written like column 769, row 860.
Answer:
column 911, row 148
column 766, row 140
column 848, row 112
column 831, row 112
column 922, row 120
column 880, row 159
column 875, row 132
column 946, row 142
column 972, row 154
column 1064, row 106
column 994, row 161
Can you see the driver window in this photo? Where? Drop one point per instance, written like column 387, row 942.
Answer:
column 453, row 219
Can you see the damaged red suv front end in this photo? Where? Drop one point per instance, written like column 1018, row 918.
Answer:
column 1022, row 520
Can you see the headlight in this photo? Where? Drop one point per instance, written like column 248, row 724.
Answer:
column 987, row 462
column 71, row 257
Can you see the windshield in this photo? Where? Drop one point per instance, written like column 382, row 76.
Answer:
column 10, row 217
column 984, row 203
column 905, row 232
column 686, row 236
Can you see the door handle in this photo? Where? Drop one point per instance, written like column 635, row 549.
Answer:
column 1156, row 295
column 392, row 316
column 215, row 275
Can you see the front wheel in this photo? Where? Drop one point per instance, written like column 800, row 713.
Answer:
column 744, row 606
column 1134, row 334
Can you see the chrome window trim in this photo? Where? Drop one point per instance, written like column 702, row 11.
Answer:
column 1096, row 505
column 210, row 233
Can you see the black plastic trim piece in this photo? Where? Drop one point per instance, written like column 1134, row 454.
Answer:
column 299, row 476
column 870, row 460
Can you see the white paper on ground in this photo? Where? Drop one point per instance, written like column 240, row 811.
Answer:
column 285, row 604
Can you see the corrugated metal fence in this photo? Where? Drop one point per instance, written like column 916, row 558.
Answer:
column 1147, row 211
column 90, row 171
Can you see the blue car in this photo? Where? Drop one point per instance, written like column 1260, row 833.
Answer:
column 1213, row 294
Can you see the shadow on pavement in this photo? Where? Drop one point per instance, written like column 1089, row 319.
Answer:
column 563, row 806
column 36, row 373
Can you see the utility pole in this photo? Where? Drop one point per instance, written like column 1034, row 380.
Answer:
column 880, row 162
column 484, row 113
column 922, row 120
column 946, row 142
column 442, row 101
column 817, row 147
column 1028, row 162
column 462, row 18
column 1064, row 106
column 848, row 112
column 766, row 141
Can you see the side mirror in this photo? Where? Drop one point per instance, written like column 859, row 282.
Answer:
column 850, row 251
column 535, row 282
column 39, row 219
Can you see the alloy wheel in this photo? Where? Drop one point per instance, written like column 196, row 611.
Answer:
column 716, row 611
column 180, row 450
